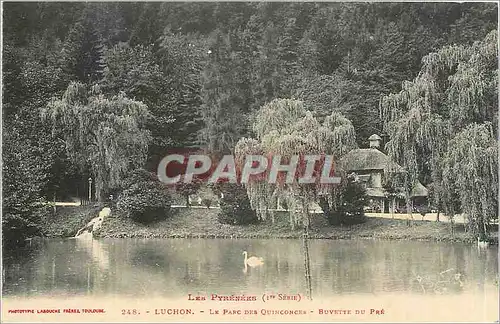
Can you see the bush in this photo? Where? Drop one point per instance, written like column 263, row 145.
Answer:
column 235, row 206
column 423, row 211
column 207, row 202
column 139, row 175
column 17, row 227
column 350, row 210
column 188, row 189
column 145, row 201
column 207, row 195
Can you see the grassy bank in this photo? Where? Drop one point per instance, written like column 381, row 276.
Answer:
column 67, row 220
column 203, row 223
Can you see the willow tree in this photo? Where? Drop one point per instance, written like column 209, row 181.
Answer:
column 103, row 135
column 470, row 166
column 454, row 94
column 285, row 128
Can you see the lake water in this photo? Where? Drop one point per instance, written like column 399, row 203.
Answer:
column 174, row 268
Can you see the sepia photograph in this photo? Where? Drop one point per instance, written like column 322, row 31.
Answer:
column 253, row 161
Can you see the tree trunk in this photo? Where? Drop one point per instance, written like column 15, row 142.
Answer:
column 100, row 188
column 451, row 226
column 409, row 211
column 187, row 201
column 481, row 227
column 393, row 206
column 308, row 214
column 307, row 264
column 437, row 217
column 275, row 209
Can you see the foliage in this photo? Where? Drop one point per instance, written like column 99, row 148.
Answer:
column 146, row 31
column 188, row 189
column 26, row 168
column 66, row 221
column 351, row 96
column 350, row 201
column 33, row 77
column 82, row 53
column 223, row 95
column 207, row 195
column 207, row 202
column 454, row 96
column 353, row 202
column 167, row 79
column 285, row 128
column 470, row 168
column 268, row 73
column 334, row 57
column 104, row 135
column 135, row 72
column 235, row 208
column 146, row 199
column 423, row 211
column 137, row 176
column 181, row 59
column 324, row 94
column 271, row 46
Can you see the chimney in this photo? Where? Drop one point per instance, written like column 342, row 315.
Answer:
column 375, row 141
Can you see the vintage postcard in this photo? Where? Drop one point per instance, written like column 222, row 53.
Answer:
column 249, row 162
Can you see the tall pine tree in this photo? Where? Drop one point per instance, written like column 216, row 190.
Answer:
column 223, row 108
column 83, row 53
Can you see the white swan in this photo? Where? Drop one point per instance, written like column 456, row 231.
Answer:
column 252, row 261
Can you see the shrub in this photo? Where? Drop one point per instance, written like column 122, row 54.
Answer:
column 19, row 226
column 137, row 176
column 207, row 196
column 207, row 202
column 235, row 206
column 354, row 199
column 188, row 189
column 146, row 200
column 350, row 207
column 423, row 211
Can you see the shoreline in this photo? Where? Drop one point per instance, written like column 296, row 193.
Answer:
column 291, row 237
column 202, row 223
column 375, row 237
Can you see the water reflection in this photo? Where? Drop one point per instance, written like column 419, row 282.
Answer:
column 96, row 250
column 177, row 267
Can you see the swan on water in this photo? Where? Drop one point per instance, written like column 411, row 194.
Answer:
column 252, row 261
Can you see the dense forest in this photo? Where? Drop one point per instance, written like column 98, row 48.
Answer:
column 146, row 77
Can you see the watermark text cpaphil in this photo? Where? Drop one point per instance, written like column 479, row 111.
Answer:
column 273, row 169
